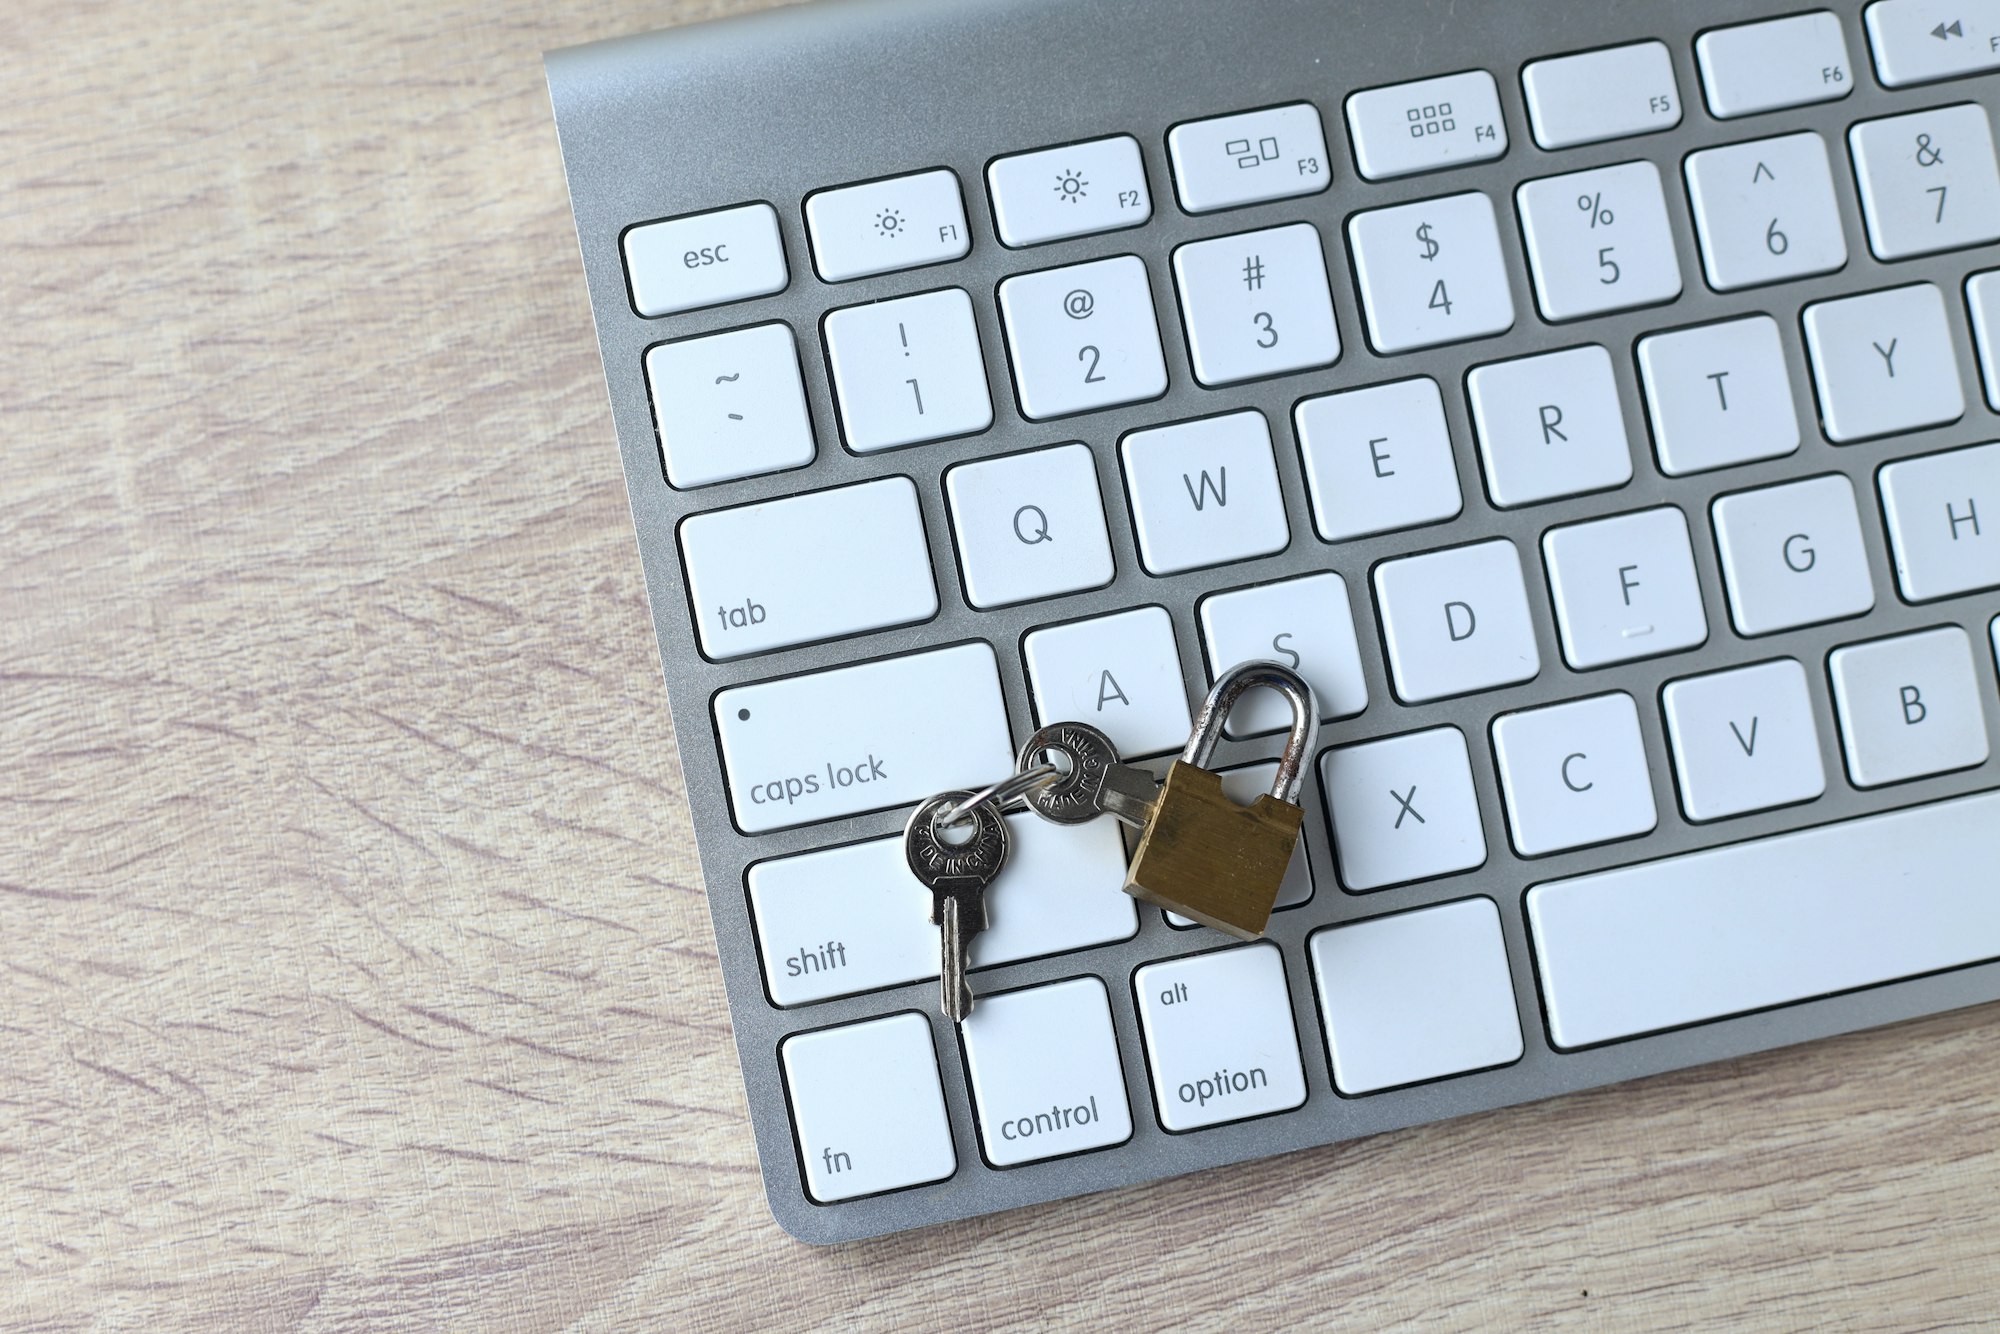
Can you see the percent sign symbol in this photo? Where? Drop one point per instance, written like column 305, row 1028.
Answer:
column 1594, row 206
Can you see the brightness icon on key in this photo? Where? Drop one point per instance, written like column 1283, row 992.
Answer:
column 1070, row 186
column 889, row 222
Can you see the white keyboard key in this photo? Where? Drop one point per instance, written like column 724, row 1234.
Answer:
column 1599, row 240
column 1243, row 785
column 1624, row 587
column 1768, row 922
column 1305, row 624
column 1029, row 525
column 1719, row 395
column 1219, row 1037
column 760, row 576
column 1788, row 62
column 1982, row 296
column 1574, row 774
column 1249, row 157
column 1256, row 304
column 1188, row 508
column 1120, row 673
column 908, row 370
column 1429, row 123
column 862, row 738
column 1075, row 190
column 1456, row 621
column 883, row 226
column 868, row 1108
column 1920, row 41
column 681, row 264
column 1549, row 426
column 1765, row 211
column 1403, row 809
column 1378, row 459
column 1929, row 181
column 1416, row 996
column 1744, row 740
column 1045, row 1075
column 1083, row 337
column 1598, row 95
column 729, row 405
column 1792, row 555
column 1944, row 521
column 1431, row 273
column 1883, row 363
column 1908, row 707
column 853, row 918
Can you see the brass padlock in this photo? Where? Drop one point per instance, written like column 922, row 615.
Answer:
column 1202, row 855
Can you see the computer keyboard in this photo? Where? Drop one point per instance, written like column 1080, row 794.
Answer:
column 1594, row 400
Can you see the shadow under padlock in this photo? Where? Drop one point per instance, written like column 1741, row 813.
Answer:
column 1208, row 858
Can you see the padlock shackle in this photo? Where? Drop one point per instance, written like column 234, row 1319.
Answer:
column 1222, row 698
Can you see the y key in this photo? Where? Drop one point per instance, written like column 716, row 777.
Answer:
column 957, row 874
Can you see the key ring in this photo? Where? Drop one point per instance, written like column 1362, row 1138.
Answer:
column 1002, row 794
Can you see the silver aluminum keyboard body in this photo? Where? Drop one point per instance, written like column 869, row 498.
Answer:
column 773, row 107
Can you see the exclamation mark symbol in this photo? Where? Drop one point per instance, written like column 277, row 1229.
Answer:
column 903, row 334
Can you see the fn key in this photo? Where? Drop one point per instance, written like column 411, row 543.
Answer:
column 867, row 1107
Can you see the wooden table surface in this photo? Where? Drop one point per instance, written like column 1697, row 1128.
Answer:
column 355, row 971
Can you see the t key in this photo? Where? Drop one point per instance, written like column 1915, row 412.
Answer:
column 957, row 874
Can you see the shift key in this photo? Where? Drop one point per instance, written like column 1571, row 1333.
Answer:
column 861, row 738
column 818, row 566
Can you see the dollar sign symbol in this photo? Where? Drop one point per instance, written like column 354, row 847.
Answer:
column 1431, row 247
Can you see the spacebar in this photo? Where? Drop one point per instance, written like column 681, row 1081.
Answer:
column 1769, row 922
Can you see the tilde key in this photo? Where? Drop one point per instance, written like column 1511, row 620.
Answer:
column 957, row 874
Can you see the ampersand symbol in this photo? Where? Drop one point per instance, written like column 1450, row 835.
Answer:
column 1926, row 155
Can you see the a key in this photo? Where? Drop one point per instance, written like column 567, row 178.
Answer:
column 1095, row 782
column 957, row 874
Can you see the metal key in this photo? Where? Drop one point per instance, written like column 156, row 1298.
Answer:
column 1097, row 781
column 957, row 875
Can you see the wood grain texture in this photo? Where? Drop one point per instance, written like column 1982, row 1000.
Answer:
column 354, row 968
